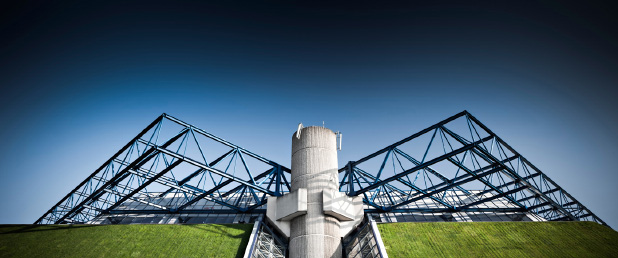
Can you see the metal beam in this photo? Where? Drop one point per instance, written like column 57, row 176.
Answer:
column 362, row 172
column 220, row 140
column 443, row 210
column 407, row 139
column 215, row 211
column 124, row 148
column 493, row 197
column 491, row 159
column 197, row 172
column 143, row 185
column 524, row 160
column 424, row 165
column 216, row 171
column 428, row 169
column 450, row 186
column 145, row 157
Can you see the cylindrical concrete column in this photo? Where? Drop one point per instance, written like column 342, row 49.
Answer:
column 314, row 167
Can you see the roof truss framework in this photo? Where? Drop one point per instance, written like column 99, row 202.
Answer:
column 457, row 154
column 189, row 163
column 436, row 165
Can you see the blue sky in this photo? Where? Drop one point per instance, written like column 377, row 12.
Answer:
column 80, row 80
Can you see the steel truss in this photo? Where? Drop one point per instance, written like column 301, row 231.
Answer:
column 362, row 242
column 267, row 243
column 457, row 154
column 456, row 165
column 172, row 158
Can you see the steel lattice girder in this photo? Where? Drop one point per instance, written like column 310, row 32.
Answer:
column 469, row 154
column 146, row 162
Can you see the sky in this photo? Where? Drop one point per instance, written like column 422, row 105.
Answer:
column 79, row 79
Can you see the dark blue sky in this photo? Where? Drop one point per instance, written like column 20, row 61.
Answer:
column 80, row 78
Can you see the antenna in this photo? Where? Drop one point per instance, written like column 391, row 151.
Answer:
column 300, row 126
column 339, row 137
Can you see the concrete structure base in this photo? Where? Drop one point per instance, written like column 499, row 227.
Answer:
column 312, row 214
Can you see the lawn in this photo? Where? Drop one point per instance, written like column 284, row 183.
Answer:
column 204, row 240
column 477, row 239
column 499, row 239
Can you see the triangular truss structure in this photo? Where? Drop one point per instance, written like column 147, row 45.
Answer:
column 173, row 158
column 445, row 165
column 456, row 165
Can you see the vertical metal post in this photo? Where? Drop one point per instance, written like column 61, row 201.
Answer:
column 350, row 168
column 279, row 174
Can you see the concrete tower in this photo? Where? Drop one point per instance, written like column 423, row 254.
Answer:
column 314, row 167
column 315, row 215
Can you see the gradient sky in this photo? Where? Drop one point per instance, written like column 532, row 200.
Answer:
column 81, row 78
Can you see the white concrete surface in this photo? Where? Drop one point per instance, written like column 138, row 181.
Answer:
column 314, row 212
column 341, row 206
column 280, row 210
column 314, row 167
column 291, row 205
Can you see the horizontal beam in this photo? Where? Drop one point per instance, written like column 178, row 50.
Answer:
column 443, row 210
column 545, row 177
column 222, row 141
column 142, row 159
column 213, row 211
column 422, row 166
column 407, row 139
column 105, row 164
column 504, row 194
column 216, row 171
column 450, row 186
column 145, row 184
column 429, row 169
column 408, row 184
column 488, row 157
column 509, row 184
column 198, row 171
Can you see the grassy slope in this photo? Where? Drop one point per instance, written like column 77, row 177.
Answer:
column 124, row 240
column 478, row 239
column 499, row 239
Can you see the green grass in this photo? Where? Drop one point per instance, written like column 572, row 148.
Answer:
column 499, row 239
column 478, row 239
column 206, row 240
